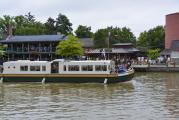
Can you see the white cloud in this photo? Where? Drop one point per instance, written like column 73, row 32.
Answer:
column 139, row 15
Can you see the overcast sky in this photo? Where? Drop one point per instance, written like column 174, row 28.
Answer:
column 139, row 15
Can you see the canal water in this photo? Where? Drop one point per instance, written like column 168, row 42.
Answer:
column 149, row 96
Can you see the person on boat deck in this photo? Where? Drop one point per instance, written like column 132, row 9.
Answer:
column 122, row 68
column 128, row 65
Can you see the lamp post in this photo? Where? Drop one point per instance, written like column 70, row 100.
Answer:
column 109, row 34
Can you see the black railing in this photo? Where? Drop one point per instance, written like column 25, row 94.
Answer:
column 32, row 49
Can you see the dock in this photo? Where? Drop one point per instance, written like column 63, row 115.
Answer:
column 156, row 68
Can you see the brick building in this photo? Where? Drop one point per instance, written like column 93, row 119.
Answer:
column 172, row 38
column 172, row 31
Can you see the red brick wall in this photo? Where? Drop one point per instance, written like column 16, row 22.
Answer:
column 171, row 29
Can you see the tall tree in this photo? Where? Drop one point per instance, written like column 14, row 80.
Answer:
column 2, row 51
column 83, row 32
column 30, row 17
column 1, row 34
column 20, row 21
column 50, row 26
column 27, row 25
column 152, row 39
column 100, row 38
column 63, row 25
column 7, row 24
column 141, row 43
column 71, row 47
column 121, row 35
column 117, row 35
column 37, row 28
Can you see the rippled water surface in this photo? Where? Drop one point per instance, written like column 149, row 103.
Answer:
column 149, row 96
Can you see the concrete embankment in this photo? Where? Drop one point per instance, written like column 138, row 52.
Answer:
column 156, row 68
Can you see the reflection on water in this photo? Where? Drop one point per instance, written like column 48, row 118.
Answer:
column 172, row 97
column 163, row 90
column 54, row 101
column 148, row 96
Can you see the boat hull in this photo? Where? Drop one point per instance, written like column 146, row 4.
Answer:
column 59, row 78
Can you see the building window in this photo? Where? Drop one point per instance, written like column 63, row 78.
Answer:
column 43, row 68
column 23, row 68
column 73, row 68
column 101, row 68
column 34, row 68
column 87, row 68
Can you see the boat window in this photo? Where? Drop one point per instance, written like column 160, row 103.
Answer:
column 23, row 68
column 55, row 67
column 34, row 68
column 87, row 68
column 109, row 67
column 101, row 68
column 43, row 68
column 64, row 68
column 73, row 68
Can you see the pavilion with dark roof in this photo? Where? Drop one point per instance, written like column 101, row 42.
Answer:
column 43, row 47
column 118, row 51
column 37, row 47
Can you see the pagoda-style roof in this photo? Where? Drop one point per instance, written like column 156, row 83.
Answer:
column 115, row 50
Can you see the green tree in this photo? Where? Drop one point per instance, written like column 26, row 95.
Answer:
column 83, row 32
column 2, row 50
column 50, row 26
column 27, row 25
column 100, row 38
column 71, row 47
column 141, row 43
column 1, row 34
column 121, row 35
column 117, row 35
column 152, row 39
column 20, row 21
column 63, row 25
column 37, row 28
column 153, row 53
column 30, row 18
column 7, row 24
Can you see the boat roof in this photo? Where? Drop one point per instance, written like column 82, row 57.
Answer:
column 26, row 61
column 61, row 60
column 93, row 61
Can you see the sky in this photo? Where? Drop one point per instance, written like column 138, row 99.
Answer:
column 138, row 15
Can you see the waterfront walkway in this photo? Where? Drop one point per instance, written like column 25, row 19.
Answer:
column 156, row 68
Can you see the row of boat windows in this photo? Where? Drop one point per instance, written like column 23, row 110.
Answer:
column 32, row 68
column 85, row 68
column 70, row 68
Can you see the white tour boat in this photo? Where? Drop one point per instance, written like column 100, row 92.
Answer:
column 59, row 70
